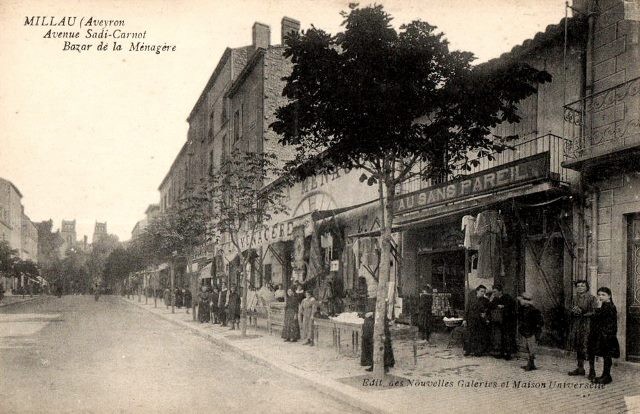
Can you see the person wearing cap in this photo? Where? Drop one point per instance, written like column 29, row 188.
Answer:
column 584, row 306
column 531, row 324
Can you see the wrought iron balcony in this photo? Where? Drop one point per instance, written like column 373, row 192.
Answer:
column 550, row 143
column 604, row 122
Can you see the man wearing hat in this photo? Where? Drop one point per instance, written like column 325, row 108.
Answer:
column 531, row 323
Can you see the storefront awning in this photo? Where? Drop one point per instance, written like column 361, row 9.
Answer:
column 205, row 272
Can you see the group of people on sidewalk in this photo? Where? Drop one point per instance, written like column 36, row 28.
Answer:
column 182, row 298
column 491, row 324
column 219, row 305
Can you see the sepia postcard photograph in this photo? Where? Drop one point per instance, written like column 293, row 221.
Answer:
column 320, row 206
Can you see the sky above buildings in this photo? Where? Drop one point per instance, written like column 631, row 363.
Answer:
column 91, row 134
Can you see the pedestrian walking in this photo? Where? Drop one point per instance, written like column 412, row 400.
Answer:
column 178, row 298
column 222, row 304
column 477, row 324
column 531, row 323
column 186, row 298
column 167, row 298
column 306, row 311
column 366, row 354
column 425, row 304
column 603, row 341
column 584, row 307
column 291, row 330
column 503, row 323
column 203, row 305
column 233, row 308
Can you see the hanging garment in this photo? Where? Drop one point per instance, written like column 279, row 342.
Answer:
column 490, row 230
column 469, row 227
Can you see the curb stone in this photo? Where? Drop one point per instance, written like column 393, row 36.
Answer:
column 329, row 387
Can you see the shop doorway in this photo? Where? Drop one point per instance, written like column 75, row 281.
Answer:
column 445, row 272
column 633, row 289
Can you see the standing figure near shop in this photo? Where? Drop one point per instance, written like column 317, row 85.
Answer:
column 222, row 304
column 298, row 291
column 477, row 324
column 603, row 341
column 177, row 294
column 425, row 304
column 584, row 307
column 215, row 296
column 306, row 312
column 531, row 324
column 186, row 298
column 366, row 351
column 203, row 304
column 233, row 308
column 167, row 298
column 503, row 323
column 291, row 330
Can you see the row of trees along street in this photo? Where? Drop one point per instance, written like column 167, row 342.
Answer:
column 393, row 104
column 11, row 265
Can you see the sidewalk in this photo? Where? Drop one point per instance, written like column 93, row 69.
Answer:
column 9, row 300
column 442, row 380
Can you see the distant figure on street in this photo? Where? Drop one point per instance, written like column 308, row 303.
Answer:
column 603, row 341
column 166, row 297
column 503, row 323
column 425, row 303
column 203, row 305
column 186, row 297
column 584, row 308
column 233, row 308
column 96, row 292
column 215, row 293
column 177, row 294
column 531, row 324
column 306, row 312
column 366, row 354
column 477, row 324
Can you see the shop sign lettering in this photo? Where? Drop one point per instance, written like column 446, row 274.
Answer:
column 270, row 233
column 491, row 180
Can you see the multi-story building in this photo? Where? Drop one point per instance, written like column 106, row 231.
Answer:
column 10, row 214
column 603, row 126
column 29, row 240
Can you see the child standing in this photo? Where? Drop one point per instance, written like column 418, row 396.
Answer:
column 602, row 339
column 531, row 323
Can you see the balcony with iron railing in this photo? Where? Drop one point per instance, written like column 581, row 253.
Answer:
column 603, row 123
column 550, row 143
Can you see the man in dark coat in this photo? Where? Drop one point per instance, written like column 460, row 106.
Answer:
column 366, row 355
column 503, row 323
column 584, row 306
column 186, row 298
column 222, row 304
column 203, row 305
column 477, row 324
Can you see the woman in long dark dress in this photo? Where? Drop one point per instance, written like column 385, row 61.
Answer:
column 203, row 305
column 186, row 298
column 291, row 331
column 477, row 324
column 602, row 338
column 366, row 354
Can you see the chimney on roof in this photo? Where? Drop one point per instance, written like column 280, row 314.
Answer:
column 288, row 25
column 261, row 35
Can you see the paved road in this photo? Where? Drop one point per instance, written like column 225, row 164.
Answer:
column 77, row 355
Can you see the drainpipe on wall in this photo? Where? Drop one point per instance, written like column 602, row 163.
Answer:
column 593, row 253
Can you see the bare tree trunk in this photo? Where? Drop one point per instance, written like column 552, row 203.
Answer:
column 245, row 287
column 386, row 210
column 172, row 293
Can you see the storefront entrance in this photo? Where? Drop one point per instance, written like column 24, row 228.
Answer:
column 633, row 289
column 445, row 272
